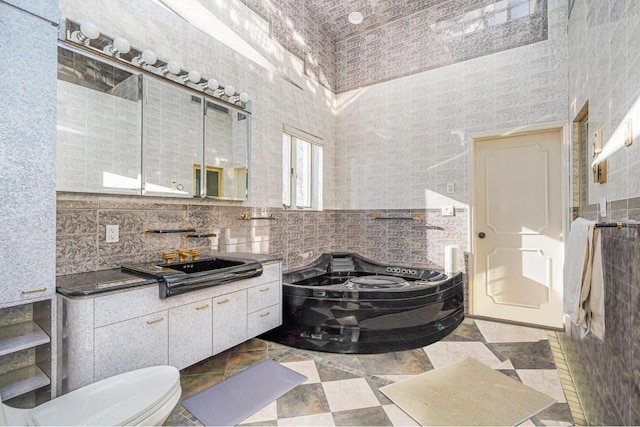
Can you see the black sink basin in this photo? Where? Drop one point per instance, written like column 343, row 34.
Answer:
column 180, row 277
column 210, row 264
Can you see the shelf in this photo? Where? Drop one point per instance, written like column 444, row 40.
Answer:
column 21, row 336
column 21, row 381
column 175, row 230
column 413, row 217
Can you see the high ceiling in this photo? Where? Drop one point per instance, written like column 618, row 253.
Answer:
column 332, row 14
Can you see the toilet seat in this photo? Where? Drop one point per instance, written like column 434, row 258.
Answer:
column 130, row 398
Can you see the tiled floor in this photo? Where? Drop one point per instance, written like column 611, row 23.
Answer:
column 342, row 390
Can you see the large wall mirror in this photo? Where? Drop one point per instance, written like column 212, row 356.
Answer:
column 99, row 122
column 226, row 132
column 122, row 131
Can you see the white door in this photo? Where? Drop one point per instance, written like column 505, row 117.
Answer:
column 518, row 239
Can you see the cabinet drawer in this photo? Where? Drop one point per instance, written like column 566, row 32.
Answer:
column 263, row 320
column 126, row 305
column 270, row 272
column 263, row 296
column 26, row 293
column 129, row 345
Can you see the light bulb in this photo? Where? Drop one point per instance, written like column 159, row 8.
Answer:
column 121, row 45
column 229, row 90
column 173, row 67
column 90, row 30
column 149, row 57
column 244, row 97
column 118, row 46
column 193, row 76
column 212, row 84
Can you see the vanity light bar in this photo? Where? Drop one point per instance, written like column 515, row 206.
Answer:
column 87, row 36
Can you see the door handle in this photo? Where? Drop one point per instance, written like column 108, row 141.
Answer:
column 482, row 235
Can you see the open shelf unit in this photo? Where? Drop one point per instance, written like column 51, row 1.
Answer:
column 25, row 353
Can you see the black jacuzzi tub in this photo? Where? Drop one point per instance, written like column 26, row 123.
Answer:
column 345, row 303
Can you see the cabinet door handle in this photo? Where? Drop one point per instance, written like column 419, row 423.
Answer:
column 31, row 291
column 202, row 307
column 224, row 301
column 264, row 290
column 265, row 314
column 151, row 322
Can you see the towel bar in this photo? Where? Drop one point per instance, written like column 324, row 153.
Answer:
column 617, row 224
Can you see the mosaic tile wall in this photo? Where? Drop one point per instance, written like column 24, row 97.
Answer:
column 397, row 38
column 604, row 47
column 298, row 237
column 444, row 34
column 293, row 24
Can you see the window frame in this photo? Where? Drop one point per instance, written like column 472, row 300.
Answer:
column 315, row 174
column 198, row 176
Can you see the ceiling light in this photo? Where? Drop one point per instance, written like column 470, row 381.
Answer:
column 355, row 18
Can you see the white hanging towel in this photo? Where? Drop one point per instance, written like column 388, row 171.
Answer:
column 583, row 278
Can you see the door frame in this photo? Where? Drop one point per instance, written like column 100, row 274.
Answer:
column 565, row 156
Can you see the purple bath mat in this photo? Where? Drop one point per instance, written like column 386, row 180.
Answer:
column 242, row 395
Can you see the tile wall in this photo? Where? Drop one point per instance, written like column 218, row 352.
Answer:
column 407, row 142
column 297, row 237
column 604, row 46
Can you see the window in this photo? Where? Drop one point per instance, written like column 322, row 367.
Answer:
column 302, row 170
column 214, row 181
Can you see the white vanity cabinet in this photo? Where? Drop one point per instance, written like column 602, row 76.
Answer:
column 129, row 345
column 229, row 321
column 190, row 331
column 112, row 333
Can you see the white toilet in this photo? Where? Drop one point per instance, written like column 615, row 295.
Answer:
column 141, row 397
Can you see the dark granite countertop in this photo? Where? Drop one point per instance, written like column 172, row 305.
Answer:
column 99, row 282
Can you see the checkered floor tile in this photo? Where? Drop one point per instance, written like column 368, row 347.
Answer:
column 342, row 390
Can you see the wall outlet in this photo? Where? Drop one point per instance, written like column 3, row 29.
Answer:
column 451, row 188
column 448, row 210
column 113, row 233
